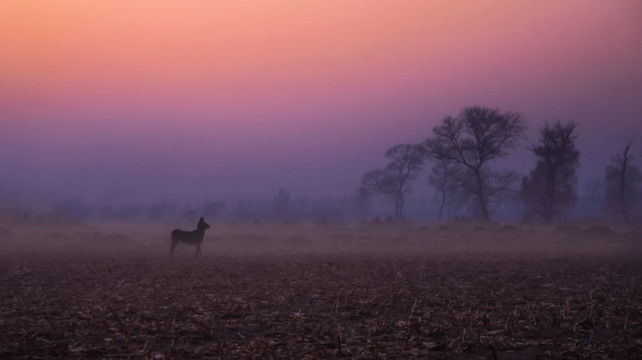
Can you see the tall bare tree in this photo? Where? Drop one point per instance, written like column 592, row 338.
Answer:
column 443, row 177
column 622, row 179
column 594, row 193
column 406, row 160
column 473, row 139
column 552, row 184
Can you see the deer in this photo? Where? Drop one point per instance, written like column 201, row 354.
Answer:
column 190, row 237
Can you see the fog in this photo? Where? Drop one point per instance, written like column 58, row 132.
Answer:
column 124, row 124
column 221, row 179
column 42, row 167
column 198, row 162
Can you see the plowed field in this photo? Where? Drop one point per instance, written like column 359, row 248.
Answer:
column 359, row 294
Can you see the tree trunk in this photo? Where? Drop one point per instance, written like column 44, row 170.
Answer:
column 443, row 203
column 623, row 185
column 399, row 200
column 396, row 206
column 549, row 202
column 483, row 207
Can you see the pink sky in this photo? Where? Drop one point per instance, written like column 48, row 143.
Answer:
column 115, row 99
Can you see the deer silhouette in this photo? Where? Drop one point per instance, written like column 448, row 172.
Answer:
column 190, row 237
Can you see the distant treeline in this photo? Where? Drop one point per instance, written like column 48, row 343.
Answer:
column 459, row 161
column 463, row 151
column 281, row 207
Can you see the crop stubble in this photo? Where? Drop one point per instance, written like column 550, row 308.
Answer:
column 109, row 305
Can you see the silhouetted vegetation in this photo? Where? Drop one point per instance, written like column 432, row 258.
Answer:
column 551, row 185
column 622, row 179
column 406, row 160
column 594, row 196
column 462, row 150
column 472, row 140
column 465, row 171
column 443, row 178
column 281, row 202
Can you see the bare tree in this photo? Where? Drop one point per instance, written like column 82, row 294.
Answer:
column 594, row 192
column 379, row 182
column 439, row 179
column 552, row 184
column 444, row 178
column 406, row 162
column 477, row 136
column 281, row 202
column 622, row 178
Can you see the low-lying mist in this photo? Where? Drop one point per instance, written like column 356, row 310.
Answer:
column 460, row 237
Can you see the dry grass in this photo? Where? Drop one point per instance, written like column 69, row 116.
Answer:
column 321, row 292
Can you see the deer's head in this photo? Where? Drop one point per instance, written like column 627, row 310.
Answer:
column 202, row 224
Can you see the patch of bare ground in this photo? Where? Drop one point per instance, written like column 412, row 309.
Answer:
column 319, row 306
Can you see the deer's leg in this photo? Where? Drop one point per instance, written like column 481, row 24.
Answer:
column 198, row 250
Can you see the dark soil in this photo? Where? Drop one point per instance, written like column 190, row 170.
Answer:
column 307, row 306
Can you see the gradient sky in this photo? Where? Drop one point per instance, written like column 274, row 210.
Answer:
column 136, row 101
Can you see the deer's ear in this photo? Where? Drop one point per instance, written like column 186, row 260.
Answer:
column 202, row 217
